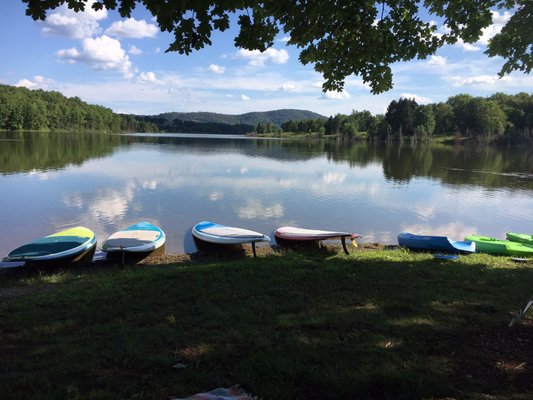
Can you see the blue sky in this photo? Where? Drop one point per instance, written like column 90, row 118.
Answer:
column 121, row 64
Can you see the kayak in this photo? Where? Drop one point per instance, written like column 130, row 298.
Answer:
column 71, row 245
column 431, row 243
column 141, row 239
column 490, row 245
column 289, row 234
column 520, row 237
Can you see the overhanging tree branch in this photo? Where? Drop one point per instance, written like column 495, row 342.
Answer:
column 339, row 37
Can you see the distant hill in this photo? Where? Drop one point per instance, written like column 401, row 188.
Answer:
column 276, row 117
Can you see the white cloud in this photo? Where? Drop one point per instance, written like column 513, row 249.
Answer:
column 38, row 82
column 417, row 98
column 437, row 60
column 498, row 22
column 289, row 87
column 134, row 51
column 354, row 82
column 257, row 58
column 75, row 25
column 147, row 77
column 217, row 69
column 25, row 83
column 68, row 55
column 483, row 80
column 467, row 46
column 445, row 29
column 102, row 53
column 244, row 97
column 131, row 28
column 336, row 95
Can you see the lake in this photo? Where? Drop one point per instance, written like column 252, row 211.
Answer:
column 51, row 181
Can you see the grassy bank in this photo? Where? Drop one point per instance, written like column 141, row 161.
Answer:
column 376, row 324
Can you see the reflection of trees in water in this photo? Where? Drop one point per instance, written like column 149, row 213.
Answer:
column 487, row 166
column 24, row 151
column 283, row 150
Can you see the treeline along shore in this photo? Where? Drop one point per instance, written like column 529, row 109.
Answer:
column 500, row 118
column 40, row 110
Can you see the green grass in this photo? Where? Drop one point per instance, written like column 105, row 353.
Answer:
column 377, row 324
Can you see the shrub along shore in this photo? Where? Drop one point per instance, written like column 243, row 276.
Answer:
column 316, row 324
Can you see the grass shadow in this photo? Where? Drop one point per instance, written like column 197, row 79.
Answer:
column 288, row 325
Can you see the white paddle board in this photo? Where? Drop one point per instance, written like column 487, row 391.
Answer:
column 291, row 233
column 222, row 234
column 138, row 238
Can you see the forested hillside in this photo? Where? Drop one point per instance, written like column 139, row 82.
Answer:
column 24, row 109
column 276, row 117
column 182, row 126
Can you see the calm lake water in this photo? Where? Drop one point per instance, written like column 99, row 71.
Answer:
column 106, row 182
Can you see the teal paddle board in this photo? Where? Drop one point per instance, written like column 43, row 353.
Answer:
column 71, row 245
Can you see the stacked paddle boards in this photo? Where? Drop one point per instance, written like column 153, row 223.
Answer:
column 135, row 242
column 218, row 234
column 287, row 235
column 71, row 245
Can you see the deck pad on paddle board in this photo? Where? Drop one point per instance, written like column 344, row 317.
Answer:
column 58, row 245
column 140, row 237
column 222, row 234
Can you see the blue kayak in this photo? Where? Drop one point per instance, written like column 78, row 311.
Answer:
column 432, row 243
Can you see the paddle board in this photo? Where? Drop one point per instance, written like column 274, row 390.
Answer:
column 211, row 232
column 142, row 237
column 71, row 245
column 291, row 233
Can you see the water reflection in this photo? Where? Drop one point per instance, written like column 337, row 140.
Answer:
column 109, row 182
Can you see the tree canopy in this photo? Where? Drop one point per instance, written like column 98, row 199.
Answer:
column 340, row 37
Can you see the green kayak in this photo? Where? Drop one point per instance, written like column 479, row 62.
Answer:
column 490, row 245
column 520, row 237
